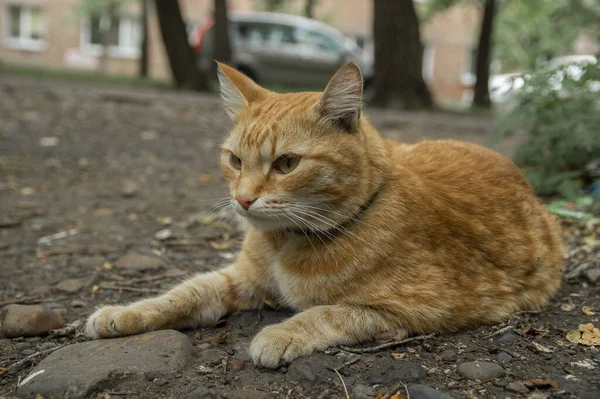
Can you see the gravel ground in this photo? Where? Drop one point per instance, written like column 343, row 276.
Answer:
column 126, row 180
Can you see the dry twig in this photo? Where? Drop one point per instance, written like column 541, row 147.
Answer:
column 499, row 331
column 132, row 289
column 387, row 345
column 343, row 383
column 27, row 299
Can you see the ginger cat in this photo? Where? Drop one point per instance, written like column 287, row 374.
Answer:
column 358, row 234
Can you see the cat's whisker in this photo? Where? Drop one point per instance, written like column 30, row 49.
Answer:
column 329, row 222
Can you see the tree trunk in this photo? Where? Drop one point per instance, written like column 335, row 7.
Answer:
column 309, row 8
column 481, row 96
column 222, row 43
column 398, row 57
column 143, row 72
column 181, row 57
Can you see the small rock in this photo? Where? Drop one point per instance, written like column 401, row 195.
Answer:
column 249, row 394
column 41, row 289
column 202, row 393
column 49, row 141
column 27, row 191
column 361, row 391
column 90, row 262
column 302, row 371
column 504, row 358
column 389, row 371
column 481, row 370
column 163, row 234
column 418, row 391
column 449, row 356
column 28, row 352
column 238, row 366
column 129, row 188
column 500, row 382
column 267, row 377
column 28, row 320
column 21, row 346
column 517, row 387
column 452, row 384
column 70, row 286
column 593, row 275
column 508, row 337
column 139, row 262
column 48, row 345
column 72, row 369
column 77, row 303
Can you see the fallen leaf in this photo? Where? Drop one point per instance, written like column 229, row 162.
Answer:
column 163, row 234
column 540, row 348
column 398, row 356
column 379, row 396
column 587, row 311
column 542, row 383
column 107, row 265
column 95, row 288
column 586, row 334
column 567, row 307
column 2, row 369
column 397, row 395
column 165, row 221
column 221, row 245
column 584, row 364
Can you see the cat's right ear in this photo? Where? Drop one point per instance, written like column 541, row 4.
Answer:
column 237, row 90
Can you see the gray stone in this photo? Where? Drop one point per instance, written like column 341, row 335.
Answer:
column 481, row 370
column 418, row 391
column 593, row 275
column 508, row 337
column 78, row 369
column 129, row 188
column 20, row 346
column 449, row 356
column 517, row 387
column 202, row 393
column 249, row 394
column 28, row 320
column 390, row 371
column 139, row 262
column 70, row 286
column 504, row 358
column 361, row 391
column 90, row 262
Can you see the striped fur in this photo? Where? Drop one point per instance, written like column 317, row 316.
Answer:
column 454, row 237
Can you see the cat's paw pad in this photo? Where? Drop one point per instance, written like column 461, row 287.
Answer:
column 114, row 321
column 275, row 345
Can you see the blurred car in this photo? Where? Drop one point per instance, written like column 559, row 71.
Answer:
column 282, row 49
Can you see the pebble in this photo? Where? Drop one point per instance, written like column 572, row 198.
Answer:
column 504, row 358
column 500, row 382
column 78, row 303
column 70, row 286
column 28, row 352
column 238, row 366
column 418, row 391
column 71, row 369
column 593, row 275
column 481, row 370
column 517, row 387
column 139, row 262
column 508, row 337
column 202, row 393
column 28, row 320
column 48, row 345
column 249, row 394
column 361, row 391
column 129, row 188
column 21, row 346
column 449, row 356
column 389, row 371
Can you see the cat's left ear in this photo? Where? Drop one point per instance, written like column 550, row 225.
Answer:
column 341, row 102
column 237, row 90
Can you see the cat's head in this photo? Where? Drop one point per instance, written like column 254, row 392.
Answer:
column 298, row 161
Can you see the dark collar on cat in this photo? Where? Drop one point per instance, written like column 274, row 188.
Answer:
column 340, row 228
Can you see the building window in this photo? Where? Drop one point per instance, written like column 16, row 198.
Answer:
column 121, row 35
column 24, row 28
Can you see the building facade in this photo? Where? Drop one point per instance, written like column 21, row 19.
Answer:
column 57, row 34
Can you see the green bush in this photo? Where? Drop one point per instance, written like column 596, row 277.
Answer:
column 559, row 112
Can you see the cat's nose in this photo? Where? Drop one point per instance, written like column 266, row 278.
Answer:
column 244, row 201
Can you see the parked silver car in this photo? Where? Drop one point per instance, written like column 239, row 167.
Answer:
column 283, row 49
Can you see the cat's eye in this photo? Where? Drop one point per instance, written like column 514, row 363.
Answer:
column 235, row 161
column 286, row 163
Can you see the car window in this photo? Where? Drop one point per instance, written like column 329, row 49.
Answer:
column 256, row 33
column 280, row 34
column 317, row 41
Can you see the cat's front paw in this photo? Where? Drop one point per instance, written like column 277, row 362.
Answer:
column 276, row 345
column 114, row 321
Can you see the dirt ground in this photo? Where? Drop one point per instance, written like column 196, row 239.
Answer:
column 123, row 171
